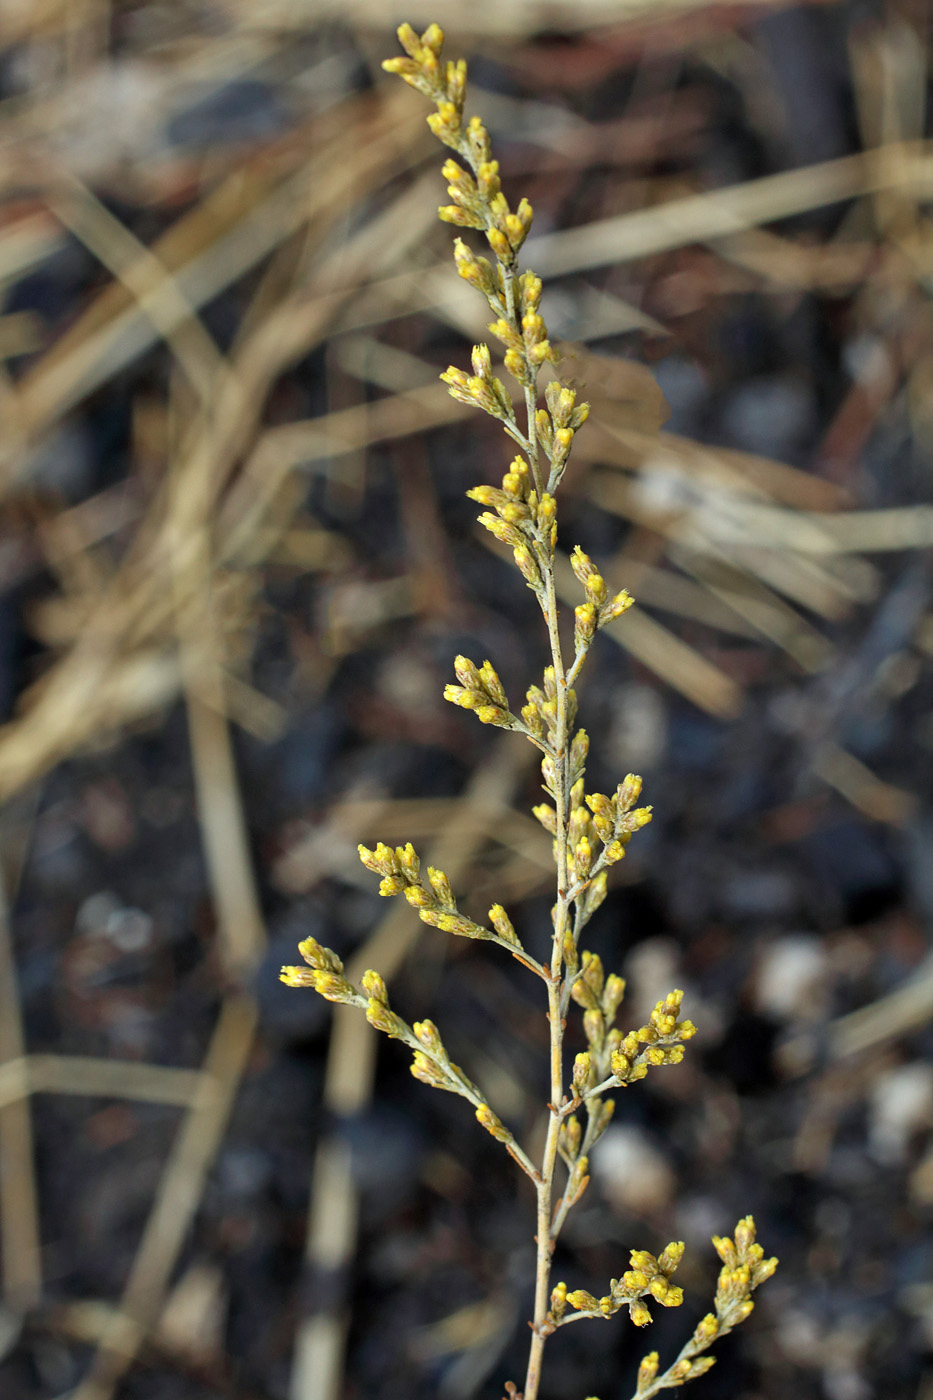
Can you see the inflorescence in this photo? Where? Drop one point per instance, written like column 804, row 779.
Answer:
column 590, row 830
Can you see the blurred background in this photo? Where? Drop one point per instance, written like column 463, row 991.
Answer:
column 236, row 563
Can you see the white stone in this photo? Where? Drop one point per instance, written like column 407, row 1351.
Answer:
column 791, row 979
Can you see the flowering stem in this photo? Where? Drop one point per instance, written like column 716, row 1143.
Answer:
column 545, row 1239
column 531, row 403
column 522, row 514
column 545, row 1188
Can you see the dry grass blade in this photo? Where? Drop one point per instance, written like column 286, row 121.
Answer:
column 218, row 799
column 19, row 1203
column 679, row 665
column 85, row 1075
column 618, row 443
column 328, row 847
column 26, row 244
column 832, row 268
column 878, row 800
column 768, row 614
column 151, row 285
column 207, row 250
column 814, row 583
column 223, row 830
column 82, row 698
column 903, row 1011
column 708, row 522
column 668, row 591
column 702, row 218
column 177, row 1198
column 280, row 450
column 876, row 531
column 906, row 1009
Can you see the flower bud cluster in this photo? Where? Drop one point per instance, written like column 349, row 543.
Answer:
column 600, row 997
column 432, row 1065
column 744, row 1268
column 621, row 1059
column 378, row 1011
column 324, row 974
column 662, row 1039
column 599, row 608
column 648, row 1277
column 540, row 715
column 577, row 1182
column 526, row 341
column 581, row 832
column 478, row 201
column 503, row 926
column 481, row 691
column 481, row 389
column 433, row 901
column 558, row 1302
column 681, row 1371
column 614, row 818
column 556, row 425
column 647, row 1371
column 422, row 68
column 443, row 83
column 480, row 273
column 586, row 868
column 524, row 521
column 594, row 820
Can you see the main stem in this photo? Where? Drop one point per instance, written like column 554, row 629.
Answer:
column 545, row 1238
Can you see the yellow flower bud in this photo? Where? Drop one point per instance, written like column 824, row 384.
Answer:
column 409, row 40
column 492, row 1123
column 374, row 986
column 499, row 244
column 453, row 213
column 647, row 1370
column 517, row 365
column 707, row 1330
column 582, row 1068
column 428, row 1034
column 527, row 566
column 639, row 1314
column 297, row 976
column 620, row 604
column 502, row 924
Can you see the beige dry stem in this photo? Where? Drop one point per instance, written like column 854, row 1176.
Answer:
column 590, row 830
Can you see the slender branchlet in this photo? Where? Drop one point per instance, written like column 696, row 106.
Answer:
column 590, row 830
